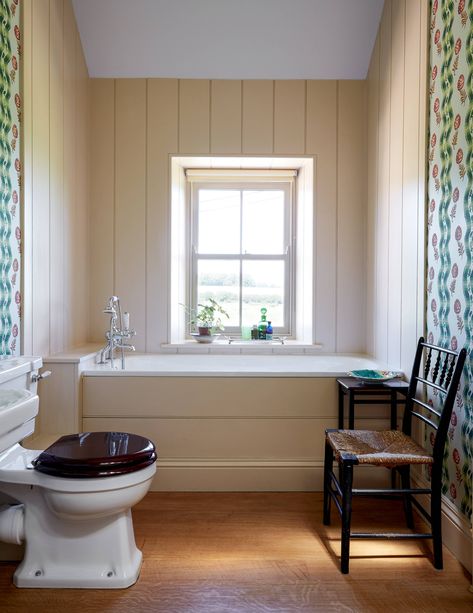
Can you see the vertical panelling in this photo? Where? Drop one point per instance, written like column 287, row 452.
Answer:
column 27, row 140
column 351, row 216
column 56, row 194
column 372, row 188
column 422, row 131
column 289, row 117
column 194, row 116
column 56, row 179
column 162, row 139
column 184, row 115
column 80, row 289
column 396, row 152
column 396, row 170
column 258, row 116
column 321, row 140
column 102, row 219
column 396, row 147
column 130, row 201
column 382, row 227
column 225, row 118
column 410, row 170
column 40, row 178
column 71, row 201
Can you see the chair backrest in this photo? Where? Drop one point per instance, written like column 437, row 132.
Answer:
column 441, row 372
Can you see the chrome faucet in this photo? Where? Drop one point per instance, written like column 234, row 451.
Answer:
column 117, row 333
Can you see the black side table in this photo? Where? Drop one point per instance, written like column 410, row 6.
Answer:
column 361, row 392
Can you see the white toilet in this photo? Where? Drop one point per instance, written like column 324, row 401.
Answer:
column 71, row 503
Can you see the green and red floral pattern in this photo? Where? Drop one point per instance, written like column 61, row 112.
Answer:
column 10, row 172
column 450, row 223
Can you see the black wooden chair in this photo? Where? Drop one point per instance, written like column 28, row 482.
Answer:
column 396, row 450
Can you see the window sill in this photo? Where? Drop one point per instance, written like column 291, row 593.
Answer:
column 242, row 348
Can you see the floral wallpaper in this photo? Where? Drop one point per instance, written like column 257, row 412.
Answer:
column 10, row 171
column 450, row 222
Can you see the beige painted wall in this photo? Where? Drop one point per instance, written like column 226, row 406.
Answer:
column 396, row 183
column 137, row 123
column 55, row 154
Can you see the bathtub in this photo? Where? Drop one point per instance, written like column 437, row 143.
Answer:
column 214, row 365
column 221, row 422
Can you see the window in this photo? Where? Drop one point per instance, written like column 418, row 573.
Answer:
column 242, row 232
column 241, row 245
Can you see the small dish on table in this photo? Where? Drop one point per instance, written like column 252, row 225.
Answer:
column 374, row 376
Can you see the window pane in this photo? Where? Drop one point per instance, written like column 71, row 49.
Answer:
column 263, row 286
column 219, row 221
column 263, row 221
column 220, row 280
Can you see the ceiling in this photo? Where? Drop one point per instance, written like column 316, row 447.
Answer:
column 228, row 39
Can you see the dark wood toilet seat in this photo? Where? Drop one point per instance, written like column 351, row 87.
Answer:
column 96, row 454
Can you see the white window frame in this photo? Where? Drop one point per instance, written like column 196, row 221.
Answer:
column 242, row 180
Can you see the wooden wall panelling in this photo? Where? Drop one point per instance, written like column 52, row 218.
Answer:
column 40, row 178
column 289, row 117
column 396, row 137
column 194, row 116
column 130, row 202
column 351, row 324
column 27, row 141
column 81, row 212
column 372, row 189
column 258, row 116
column 56, row 119
column 422, row 165
column 411, row 170
column 71, row 201
column 162, row 139
column 321, row 141
column 102, row 216
column 225, row 117
column 396, row 170
column 382, row 228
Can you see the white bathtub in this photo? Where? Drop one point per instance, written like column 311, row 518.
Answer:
column 207, row 365
column 221, row 422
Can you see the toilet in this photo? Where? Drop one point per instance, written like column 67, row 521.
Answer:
column 70, row 503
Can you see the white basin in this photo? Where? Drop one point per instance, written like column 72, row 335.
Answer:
column 17, row 406
column 9, row 363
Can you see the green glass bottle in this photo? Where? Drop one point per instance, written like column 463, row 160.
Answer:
column 263, row 324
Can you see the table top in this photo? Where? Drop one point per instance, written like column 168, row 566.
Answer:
column 352, row 384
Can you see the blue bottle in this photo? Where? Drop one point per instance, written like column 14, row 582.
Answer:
column 269, row 332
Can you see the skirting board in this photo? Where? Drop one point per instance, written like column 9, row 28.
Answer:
column 456, row 530
column 251, row 476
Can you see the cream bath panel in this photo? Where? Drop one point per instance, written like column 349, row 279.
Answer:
column 209, row 397
column 232, row 439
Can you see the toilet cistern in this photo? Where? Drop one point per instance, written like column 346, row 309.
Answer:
column 119, row 331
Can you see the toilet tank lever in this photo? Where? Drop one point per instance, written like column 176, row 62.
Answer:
column 37, row 377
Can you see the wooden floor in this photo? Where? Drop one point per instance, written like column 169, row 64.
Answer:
column 268, row 552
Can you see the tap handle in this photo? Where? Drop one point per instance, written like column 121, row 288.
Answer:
column 126, row 320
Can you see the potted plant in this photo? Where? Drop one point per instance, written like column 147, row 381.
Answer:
column 207, row 317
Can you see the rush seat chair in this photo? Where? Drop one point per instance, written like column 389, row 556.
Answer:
column 396, row 450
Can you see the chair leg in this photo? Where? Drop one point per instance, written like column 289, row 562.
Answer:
column 328, row 467
column 405, row 473
column 436, row 523
column 347, row 485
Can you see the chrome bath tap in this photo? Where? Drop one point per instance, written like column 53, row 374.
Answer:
column 118, row 332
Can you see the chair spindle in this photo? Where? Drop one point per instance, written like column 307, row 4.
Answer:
column 436, row 368
column 427, row 364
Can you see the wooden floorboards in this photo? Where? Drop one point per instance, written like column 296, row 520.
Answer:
column 263, row 552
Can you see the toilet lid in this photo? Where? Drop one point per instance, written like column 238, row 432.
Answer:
column 96, row 454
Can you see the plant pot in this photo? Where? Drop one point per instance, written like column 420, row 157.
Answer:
column 204, row 331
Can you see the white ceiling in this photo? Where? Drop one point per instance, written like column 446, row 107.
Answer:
column 228, row 39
